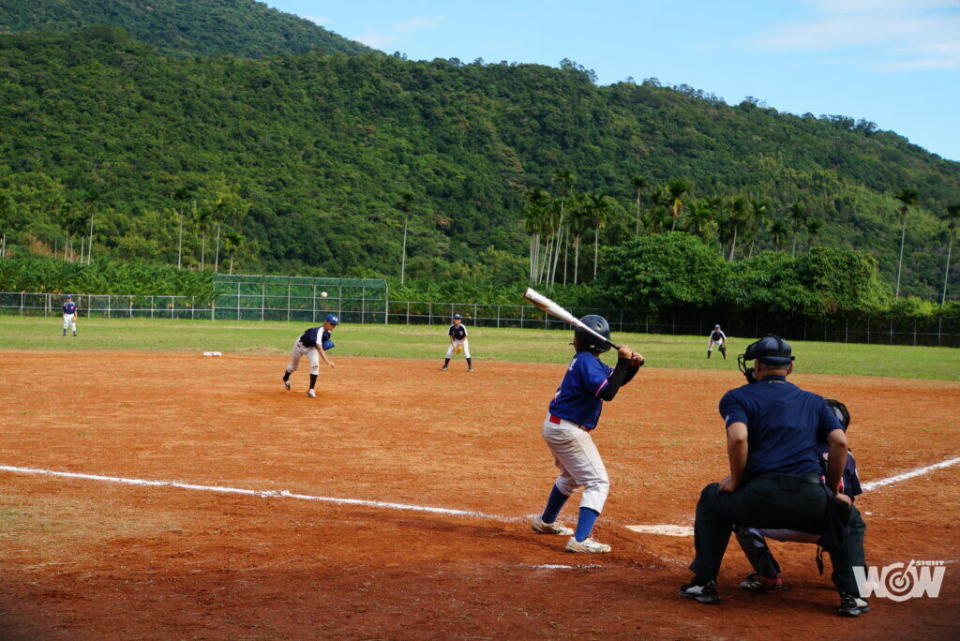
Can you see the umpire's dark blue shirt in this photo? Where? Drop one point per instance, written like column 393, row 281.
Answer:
column 784, row 425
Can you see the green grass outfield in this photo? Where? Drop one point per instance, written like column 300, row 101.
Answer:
column 419, row 341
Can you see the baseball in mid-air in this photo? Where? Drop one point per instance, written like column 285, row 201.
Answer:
column 323, row 294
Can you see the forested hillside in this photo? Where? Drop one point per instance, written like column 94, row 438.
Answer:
column 314, row 163
column 194, row 27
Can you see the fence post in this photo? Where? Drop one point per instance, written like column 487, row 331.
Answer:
column 914, row 331
column 621, row 319
column 868, row 330
column 22, row 295
column 363, row 304
column 891, row 330
column 498, row 317
column 939, row 330
column 521, row 317
column 408, row 312
column 238, row 300
column 846, row 329
column 263, row 298
column 429, row 313
column 131, row 306
column 313, row 316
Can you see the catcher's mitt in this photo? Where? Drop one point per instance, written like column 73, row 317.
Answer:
column 458, row 349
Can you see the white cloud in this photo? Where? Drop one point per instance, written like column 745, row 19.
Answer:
column 382, row 38
column 320, row 20
column 901, row 35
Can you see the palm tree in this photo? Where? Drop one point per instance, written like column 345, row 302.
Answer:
column 702, row 220
column 640, row 185
column 760, row 219
column 534, row 217
column 779, row 230
column 952, row 218
column 578, row 222
column 599, row 210
column 564, row 181
column 739, row 218
column 406, row 202
column 908, row 198
column 814, row 226
column 676, row 189
column 797, row 217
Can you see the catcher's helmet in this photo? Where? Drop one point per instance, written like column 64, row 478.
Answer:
column 332, row 319
column 838, row 408
column 583, row 340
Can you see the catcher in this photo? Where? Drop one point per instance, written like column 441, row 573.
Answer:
column 766, row 575
column 458, row 343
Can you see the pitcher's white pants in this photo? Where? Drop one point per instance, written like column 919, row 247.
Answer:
column 300, row 350
column 579, row 461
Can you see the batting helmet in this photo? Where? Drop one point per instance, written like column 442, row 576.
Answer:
column 332, row 319
column 584, row 340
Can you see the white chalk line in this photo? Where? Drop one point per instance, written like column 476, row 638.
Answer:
column 681, row 530
column 667, row 530
column 870, row 485
column 267, row 494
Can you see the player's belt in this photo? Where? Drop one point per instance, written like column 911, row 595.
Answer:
column 813, row 478
column 556, row 421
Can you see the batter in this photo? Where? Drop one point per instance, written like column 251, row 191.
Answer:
column 574, row 413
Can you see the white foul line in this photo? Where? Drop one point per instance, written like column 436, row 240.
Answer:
column 909, row 475
column 268, row 494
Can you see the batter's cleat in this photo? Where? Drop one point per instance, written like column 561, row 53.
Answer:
column 286, row 385
column 587, row 546
column 542, row 527
column 761, row 584
column 852, row 605
column 701, row 591
column 311, row 393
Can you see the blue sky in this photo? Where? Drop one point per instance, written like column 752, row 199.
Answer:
column 893, row 62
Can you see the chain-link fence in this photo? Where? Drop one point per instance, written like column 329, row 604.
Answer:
column 359, row 302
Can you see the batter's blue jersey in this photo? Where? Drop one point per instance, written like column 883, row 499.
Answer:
column 850, row 483
column 784, row 425
column 71, row 308
column 578, row 397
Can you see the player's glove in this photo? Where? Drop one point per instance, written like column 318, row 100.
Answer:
column 458, row 349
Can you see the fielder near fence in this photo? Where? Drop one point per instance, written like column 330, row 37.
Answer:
column 366, row 301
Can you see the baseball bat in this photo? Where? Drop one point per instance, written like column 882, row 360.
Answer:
column 542, row 302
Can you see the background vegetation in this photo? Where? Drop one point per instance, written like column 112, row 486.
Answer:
column 456, row 180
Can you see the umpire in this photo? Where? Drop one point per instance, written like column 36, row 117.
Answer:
column 773, row 427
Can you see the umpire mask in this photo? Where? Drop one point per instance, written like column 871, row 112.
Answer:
column 769, row 350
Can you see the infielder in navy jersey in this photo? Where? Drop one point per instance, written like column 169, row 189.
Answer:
column 458, row 343
column 573, row 415
column 314, row 343
column 766, row 575
column 69, row 316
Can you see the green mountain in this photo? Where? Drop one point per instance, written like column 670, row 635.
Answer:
column 243, row 28
column 313, row 162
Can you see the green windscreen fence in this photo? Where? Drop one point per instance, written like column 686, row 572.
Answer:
column 299, row 298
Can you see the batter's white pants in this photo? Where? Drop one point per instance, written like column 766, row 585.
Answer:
column 453, row 345
column 579, row 461
column 69, row 322
column 299, row 351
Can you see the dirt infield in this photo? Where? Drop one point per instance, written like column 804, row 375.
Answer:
column 87, row 559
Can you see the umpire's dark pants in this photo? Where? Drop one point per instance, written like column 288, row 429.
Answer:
column 769, row 501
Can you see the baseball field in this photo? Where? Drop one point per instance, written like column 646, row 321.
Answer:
column 150, row 492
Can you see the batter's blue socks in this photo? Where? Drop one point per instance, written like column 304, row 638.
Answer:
column 554, row 505
column 585, row 523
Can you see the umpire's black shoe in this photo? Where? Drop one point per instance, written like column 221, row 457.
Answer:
column 852, row 606
column 702, row 591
